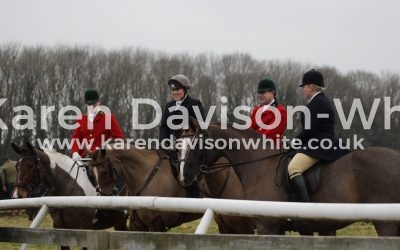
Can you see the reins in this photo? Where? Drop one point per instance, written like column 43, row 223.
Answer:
column 151, row 175
column 77, row 173
column 204, row 169
column 219, row 166
column 112, row 172
column 221, row 190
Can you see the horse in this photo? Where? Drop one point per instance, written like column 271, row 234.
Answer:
column 220, row 182
column 48, row 173
column 147, row 172
column 370, row 175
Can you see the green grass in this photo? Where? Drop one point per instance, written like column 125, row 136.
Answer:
column 21, row 220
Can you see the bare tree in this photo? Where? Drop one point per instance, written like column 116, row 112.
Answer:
column 57, row 76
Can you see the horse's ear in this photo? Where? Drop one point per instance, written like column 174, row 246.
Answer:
column 103, row 151
column 16, row 148
column 194, row 123
column 29, row 146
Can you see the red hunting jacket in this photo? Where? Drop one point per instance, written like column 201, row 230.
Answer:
column 268, row 118
column 99, row 128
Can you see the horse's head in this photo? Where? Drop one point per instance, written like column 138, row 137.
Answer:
column 33, row 173
column 192, row 155
column 106, row 175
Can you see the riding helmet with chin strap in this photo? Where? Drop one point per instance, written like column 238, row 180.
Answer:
column 178, row 82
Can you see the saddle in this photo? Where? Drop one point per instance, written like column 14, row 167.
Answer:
column 312, row 176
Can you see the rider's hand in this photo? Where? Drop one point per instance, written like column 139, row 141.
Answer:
column 76, row 157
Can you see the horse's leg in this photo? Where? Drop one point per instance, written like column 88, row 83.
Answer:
column 121, row 220
column 31, row 213
column 137, row 221
column 158, row 225
column 263, row 229
column 327, row 233
column 386, row 229
column 223, row 228
column 306, row 232
column 57, row 224
column 134, row 225
column 234, row 225
column 121, row 226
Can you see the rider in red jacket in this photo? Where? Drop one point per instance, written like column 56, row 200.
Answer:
column 93, row 126
column 267, row 95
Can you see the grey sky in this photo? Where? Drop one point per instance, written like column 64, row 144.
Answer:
column 346, row 34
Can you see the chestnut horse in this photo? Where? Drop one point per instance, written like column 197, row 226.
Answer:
column 366, row 176
column 148, row 173
column 48, row 173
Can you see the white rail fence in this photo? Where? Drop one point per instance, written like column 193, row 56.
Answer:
column 291, row 210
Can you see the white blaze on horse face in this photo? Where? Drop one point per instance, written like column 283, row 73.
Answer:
column 96, row 173
column 75, row 171
column 184, row 151
column 15, row 194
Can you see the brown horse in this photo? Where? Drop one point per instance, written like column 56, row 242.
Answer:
column 48, row 173
column 365, row 176
column 148, row 173
column 220, row 182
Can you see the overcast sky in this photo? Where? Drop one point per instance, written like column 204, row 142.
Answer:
column 346, row 34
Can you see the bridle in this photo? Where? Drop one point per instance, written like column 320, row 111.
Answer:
column 113, row 174
column 113, row 178
column 34, row 188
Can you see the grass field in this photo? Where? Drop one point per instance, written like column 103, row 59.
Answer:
column 21, row 220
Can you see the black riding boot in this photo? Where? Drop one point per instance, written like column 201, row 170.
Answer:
column 300, row 188
column 194, row 191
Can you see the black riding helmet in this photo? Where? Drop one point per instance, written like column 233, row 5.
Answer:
column 312, row 77
column 265, row 85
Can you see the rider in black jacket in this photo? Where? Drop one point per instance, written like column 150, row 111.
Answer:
column 179, row 86
column 318, row 142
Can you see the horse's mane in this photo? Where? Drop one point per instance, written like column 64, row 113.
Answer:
column 43, row 150
column 54, row 153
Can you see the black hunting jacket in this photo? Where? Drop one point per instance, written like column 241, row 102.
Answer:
column 188, row 103
column 321, row 128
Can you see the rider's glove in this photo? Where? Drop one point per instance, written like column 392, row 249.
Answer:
column 76, row 157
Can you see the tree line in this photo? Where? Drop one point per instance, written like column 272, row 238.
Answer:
column 45, row 76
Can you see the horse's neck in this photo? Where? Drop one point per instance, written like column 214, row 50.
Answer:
column 221, row 184
column 240, row 157
column 135, row 166
column 69, row 179
column 58, row 160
